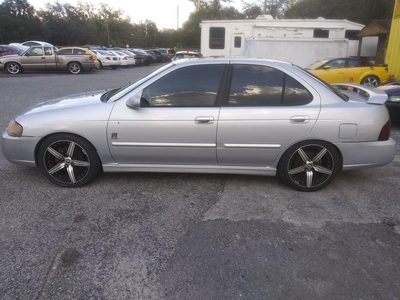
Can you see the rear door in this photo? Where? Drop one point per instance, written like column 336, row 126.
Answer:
column 237, row 44
column 266, row 110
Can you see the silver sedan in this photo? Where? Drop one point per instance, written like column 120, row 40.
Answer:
column 242, row 116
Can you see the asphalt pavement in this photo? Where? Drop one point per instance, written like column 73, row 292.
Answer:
column 190, row 236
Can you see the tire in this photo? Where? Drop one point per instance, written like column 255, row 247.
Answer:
column 100, row 65
column 13, row 68
column 68, row 160
column 310, row 165
column 114, row 67
column 74, row 68
column 370, row 81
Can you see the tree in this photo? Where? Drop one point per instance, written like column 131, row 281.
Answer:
column 275, row 8
column 361, row 11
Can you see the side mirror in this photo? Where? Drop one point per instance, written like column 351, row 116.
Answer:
column 134, row 101
column 327, row 67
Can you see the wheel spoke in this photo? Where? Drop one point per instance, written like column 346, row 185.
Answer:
column 80, row 163
column 55, row 153
column 309, row 178
column 70, row 171
column 322, row 170
column 318, row 157
column 57, row 168
column 297, row 170
column 71, row 148
column 303, row 155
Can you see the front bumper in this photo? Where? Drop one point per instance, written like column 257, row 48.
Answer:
column 19, row 150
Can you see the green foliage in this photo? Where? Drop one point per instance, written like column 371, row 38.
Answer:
column 88, row 24
column 361, row 11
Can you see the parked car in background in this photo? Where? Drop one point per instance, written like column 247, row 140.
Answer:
column 153, row 56
column 11, row 49
column 158, row 55
column 186, row 54
column 392, row 89
column 46, row 58
column 38, row 43
column 167, row 54
column 226, row 115
column 142, row 58
column 125, row 60
column 349, row 69
column 107, row 59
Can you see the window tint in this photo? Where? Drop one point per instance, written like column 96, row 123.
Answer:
column 265, row 86
column 217, row 38
column 190, row 86
column 36, row 51
column 79, row 52
column 352, row 62
column 321, row 33
column 47, row 51
column 335, row 64
column 351, row 35
column 64, row 52
column 238, row 42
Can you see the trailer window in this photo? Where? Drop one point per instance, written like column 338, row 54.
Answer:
column 238, row 42
column 321, row 33
column 351, row 35
column 217, row 38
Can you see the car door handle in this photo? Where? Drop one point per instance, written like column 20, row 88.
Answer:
column 299, row 119
column 204, row 120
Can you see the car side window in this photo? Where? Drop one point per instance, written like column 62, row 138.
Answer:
column 265, row 86
column 36, row 51
column 47, row 51
column 64, row 52
column 351, row 63
column 188, row 86
column 336, row 64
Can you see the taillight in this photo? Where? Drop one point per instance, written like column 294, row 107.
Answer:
column 91, row 57
column 384, row 135
column 125, row 58
column 107, row 58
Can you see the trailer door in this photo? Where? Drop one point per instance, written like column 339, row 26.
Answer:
column 237, row 44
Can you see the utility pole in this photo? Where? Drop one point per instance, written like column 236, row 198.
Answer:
column 177, row 17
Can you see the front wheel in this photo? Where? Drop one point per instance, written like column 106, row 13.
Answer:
column 370, row 81
column 13, row 68
column 74, row 68
column 68, row 160
column 309, row 166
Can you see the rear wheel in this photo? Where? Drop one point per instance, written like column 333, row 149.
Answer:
column 309, row 166
column 370, row 81
column 68, row 160
column 74, row 68
column 100, row 66
column 13, row 68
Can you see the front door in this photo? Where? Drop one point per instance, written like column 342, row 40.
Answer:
column 34, row 58
column 176, row 123
column 237, row 44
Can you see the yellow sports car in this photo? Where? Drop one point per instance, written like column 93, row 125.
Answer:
column 349, row 69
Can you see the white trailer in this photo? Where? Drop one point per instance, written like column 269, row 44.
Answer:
column 300, row 51
column 228, row 37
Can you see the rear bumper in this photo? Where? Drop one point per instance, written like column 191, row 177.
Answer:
column 367, row 154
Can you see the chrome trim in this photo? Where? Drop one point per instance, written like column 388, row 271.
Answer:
column 271, row 146
column 135, row 144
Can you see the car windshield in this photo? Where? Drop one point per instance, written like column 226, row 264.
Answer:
column 316, row 65
column 118, row 93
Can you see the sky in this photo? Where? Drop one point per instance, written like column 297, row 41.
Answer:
column 163, row 12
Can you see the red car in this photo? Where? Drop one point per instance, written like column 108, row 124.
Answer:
column 11, row 49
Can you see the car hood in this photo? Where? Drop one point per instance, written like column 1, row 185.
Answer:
column 65, row 103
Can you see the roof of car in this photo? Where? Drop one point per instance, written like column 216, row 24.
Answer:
column 208, row 60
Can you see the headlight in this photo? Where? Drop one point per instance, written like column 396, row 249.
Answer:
column 14, row 129
column 394, row 99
